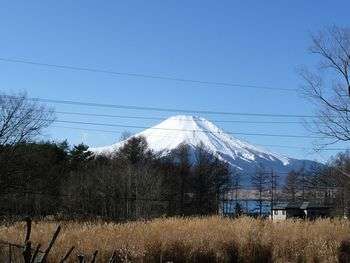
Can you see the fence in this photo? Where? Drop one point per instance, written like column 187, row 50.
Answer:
column 26, row 252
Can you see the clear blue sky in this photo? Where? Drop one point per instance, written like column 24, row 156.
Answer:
column 248, row 42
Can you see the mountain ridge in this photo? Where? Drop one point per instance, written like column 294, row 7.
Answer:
column 194, row 131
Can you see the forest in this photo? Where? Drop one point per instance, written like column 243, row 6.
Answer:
column 47, row 178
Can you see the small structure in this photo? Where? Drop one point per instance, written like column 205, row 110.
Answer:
column 304, row 210
column 315, row 210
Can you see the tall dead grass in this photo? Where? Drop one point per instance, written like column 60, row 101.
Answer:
column 207, row 239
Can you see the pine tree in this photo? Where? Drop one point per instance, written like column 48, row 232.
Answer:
column 79, row 156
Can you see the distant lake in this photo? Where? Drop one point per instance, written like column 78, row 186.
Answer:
column 247, row 206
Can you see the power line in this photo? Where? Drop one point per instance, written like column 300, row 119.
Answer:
column 188, row 111
column 265, row 145
column 145, row 127
column 111, row 72
column 203, row 131
column 132, row 107
column 164, row 118
column 186, row 130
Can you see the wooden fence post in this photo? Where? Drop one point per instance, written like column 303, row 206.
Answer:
column 67, row 255
column 27, row 252
column 29, row 229
column 10, row 253
column 81, row 259
column 47, row 251
column 94, row 256
column 36, row 252
column 113, row 258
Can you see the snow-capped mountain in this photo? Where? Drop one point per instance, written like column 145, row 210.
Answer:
column 194, row 131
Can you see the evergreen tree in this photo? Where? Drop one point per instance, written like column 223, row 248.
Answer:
column 79, row 156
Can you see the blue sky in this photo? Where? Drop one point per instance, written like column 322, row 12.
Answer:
column 247, row 42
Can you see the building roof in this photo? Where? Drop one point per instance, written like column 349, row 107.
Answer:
column 280, row 206
column 298, row 205
column 307, row 205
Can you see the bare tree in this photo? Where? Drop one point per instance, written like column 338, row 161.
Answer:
column 260, row 183
column 328, row 86
column 291, row 186
column 21, row 119
column 236, row 183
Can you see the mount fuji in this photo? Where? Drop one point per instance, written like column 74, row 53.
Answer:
column 196, row 131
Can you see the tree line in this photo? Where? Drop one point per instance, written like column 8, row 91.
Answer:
column 48, row 178
column 327, row 184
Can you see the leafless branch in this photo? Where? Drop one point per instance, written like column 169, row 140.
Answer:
column 21, row 119
column 328, row 86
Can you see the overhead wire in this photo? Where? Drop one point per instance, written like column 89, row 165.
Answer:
column 162, row 109
column 140, row 75
column 264, row 145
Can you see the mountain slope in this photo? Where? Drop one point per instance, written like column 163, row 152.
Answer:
column 194, row 131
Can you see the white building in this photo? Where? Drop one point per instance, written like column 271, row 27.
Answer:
column 309, row 210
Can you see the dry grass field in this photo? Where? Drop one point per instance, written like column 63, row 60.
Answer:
column 207, row 239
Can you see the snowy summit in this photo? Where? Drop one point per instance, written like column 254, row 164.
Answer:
column 194, row 131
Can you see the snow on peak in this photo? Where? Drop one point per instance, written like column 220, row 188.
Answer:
column 194, row 131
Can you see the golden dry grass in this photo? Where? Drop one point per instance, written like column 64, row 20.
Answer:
column 207, row 239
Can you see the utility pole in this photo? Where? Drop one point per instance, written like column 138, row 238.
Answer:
column 303, row 178
column 272, row 186
column 273, row 179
